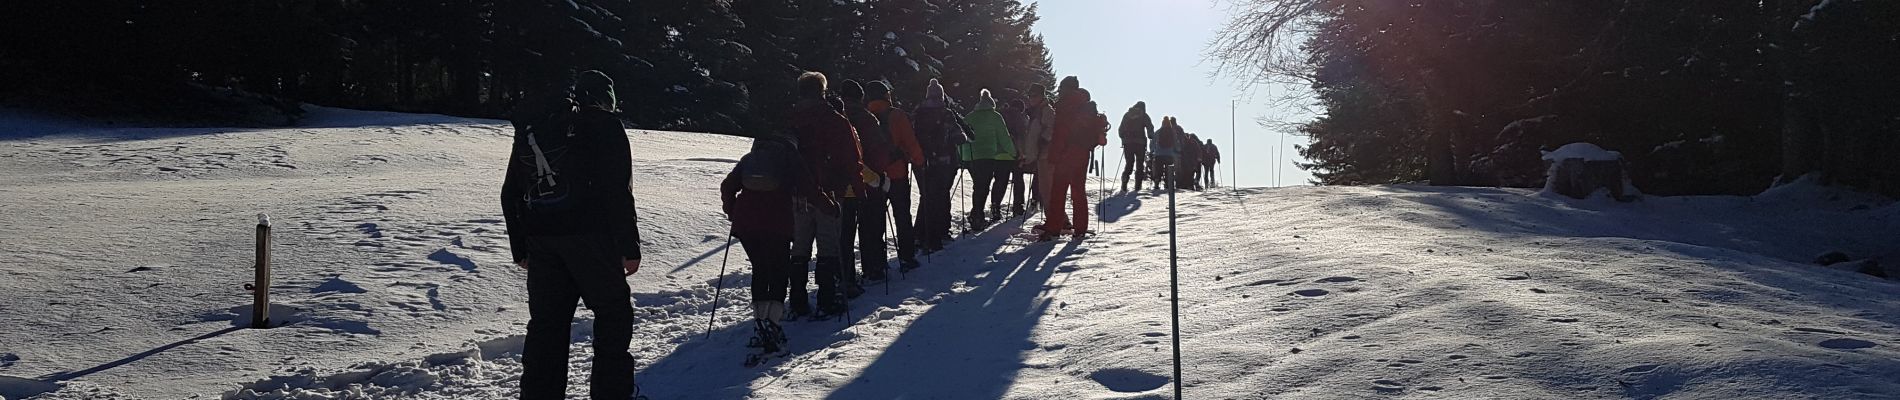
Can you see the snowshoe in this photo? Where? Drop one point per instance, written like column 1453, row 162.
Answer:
column 906, row 266
column 769, row 338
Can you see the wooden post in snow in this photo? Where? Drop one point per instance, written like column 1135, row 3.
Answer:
column 260, row 290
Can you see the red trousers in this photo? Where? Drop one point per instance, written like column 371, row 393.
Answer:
column 1067, row 174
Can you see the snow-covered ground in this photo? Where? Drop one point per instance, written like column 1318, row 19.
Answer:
column 124, row 251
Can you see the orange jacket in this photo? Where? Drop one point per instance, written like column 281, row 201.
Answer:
column 902, row 136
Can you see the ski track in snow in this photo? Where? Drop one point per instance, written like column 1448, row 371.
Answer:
column 394, row 281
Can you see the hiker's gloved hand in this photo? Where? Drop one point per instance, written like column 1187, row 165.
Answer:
column 632, row 265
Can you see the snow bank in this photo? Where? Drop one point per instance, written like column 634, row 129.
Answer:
column 1585, row 151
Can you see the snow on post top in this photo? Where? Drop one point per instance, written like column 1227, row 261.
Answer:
column 263, row 219
column 1585, row 151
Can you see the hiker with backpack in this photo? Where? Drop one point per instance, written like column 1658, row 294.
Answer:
column 991, row 155
column 1069, row 151
column 864, row 207
column 828, row 146
column 1015, row 115
column 897, row 143
column 1210, row 155
column 569, row 211
column 1164, row 150
column 1136, row 128
column 758, row 197
column 938, row 134
column 1189, row 162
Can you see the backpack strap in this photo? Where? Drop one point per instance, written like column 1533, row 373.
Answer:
column 541, row 168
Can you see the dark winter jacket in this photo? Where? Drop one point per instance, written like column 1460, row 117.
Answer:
column 757, row 213
column 1136, row 128
column 828, row 144
column 602, row 195
column 876, row 146
column 939, row 132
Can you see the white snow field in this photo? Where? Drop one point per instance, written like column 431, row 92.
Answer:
column 124, row 250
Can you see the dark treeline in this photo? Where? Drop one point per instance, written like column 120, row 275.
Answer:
column 716, row 66
column 1699, row 96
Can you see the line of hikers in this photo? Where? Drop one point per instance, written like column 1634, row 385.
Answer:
column 837, row 171
column 1148, row 152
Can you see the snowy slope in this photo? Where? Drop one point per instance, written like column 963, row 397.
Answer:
column 395, row 285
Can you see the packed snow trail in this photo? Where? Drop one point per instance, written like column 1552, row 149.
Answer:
column 394, row 285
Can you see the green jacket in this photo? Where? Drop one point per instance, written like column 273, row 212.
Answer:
column 990, row 139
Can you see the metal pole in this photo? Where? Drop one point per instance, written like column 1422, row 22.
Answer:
column 1174, row 281
column 714, row 315
column 1279, row 160
column 260, row 289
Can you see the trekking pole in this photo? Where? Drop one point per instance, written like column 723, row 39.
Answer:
column 727, row 255
column 1174, row 284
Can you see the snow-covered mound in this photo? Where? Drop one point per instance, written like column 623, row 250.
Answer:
column 125, row 254
column 1583, row 151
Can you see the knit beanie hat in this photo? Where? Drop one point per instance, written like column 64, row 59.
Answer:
column 933, row 94
column 851, row 90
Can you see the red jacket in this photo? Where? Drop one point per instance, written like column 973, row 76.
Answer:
column 1071, row 120
column 828, row 144
column 763, row 214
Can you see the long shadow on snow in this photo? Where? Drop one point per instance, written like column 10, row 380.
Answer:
column 710, row 367
column 972, row 344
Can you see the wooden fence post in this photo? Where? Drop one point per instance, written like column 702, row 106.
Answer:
column 260, row 290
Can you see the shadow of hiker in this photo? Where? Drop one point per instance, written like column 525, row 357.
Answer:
column 978, row 337
column 69, row 375
column 710, row 367
column 1113, row 208
column 719, row 250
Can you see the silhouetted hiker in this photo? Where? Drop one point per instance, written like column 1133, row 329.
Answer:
column 1163, row 153
column 571, row 222
column 1032, row 149
column 828, row 146
column 1135, row 129
column 1016, row 116
column 757, row 197
column 1068, row 152
column 862, row 219
column 904, row 153
column 938, row 134
column 1210, row 155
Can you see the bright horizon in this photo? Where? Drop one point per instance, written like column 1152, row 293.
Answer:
column 1125, row 51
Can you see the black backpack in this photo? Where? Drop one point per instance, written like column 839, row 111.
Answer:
column 773, row 164
column 553, row 148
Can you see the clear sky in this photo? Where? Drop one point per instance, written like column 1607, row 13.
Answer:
column 1153, row 50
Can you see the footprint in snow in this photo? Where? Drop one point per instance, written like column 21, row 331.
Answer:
column 1125, row 380
column 1311, row 292
column 1846, row 343
column 1640, row 369
column 1387, row 386
column 1337, row 279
